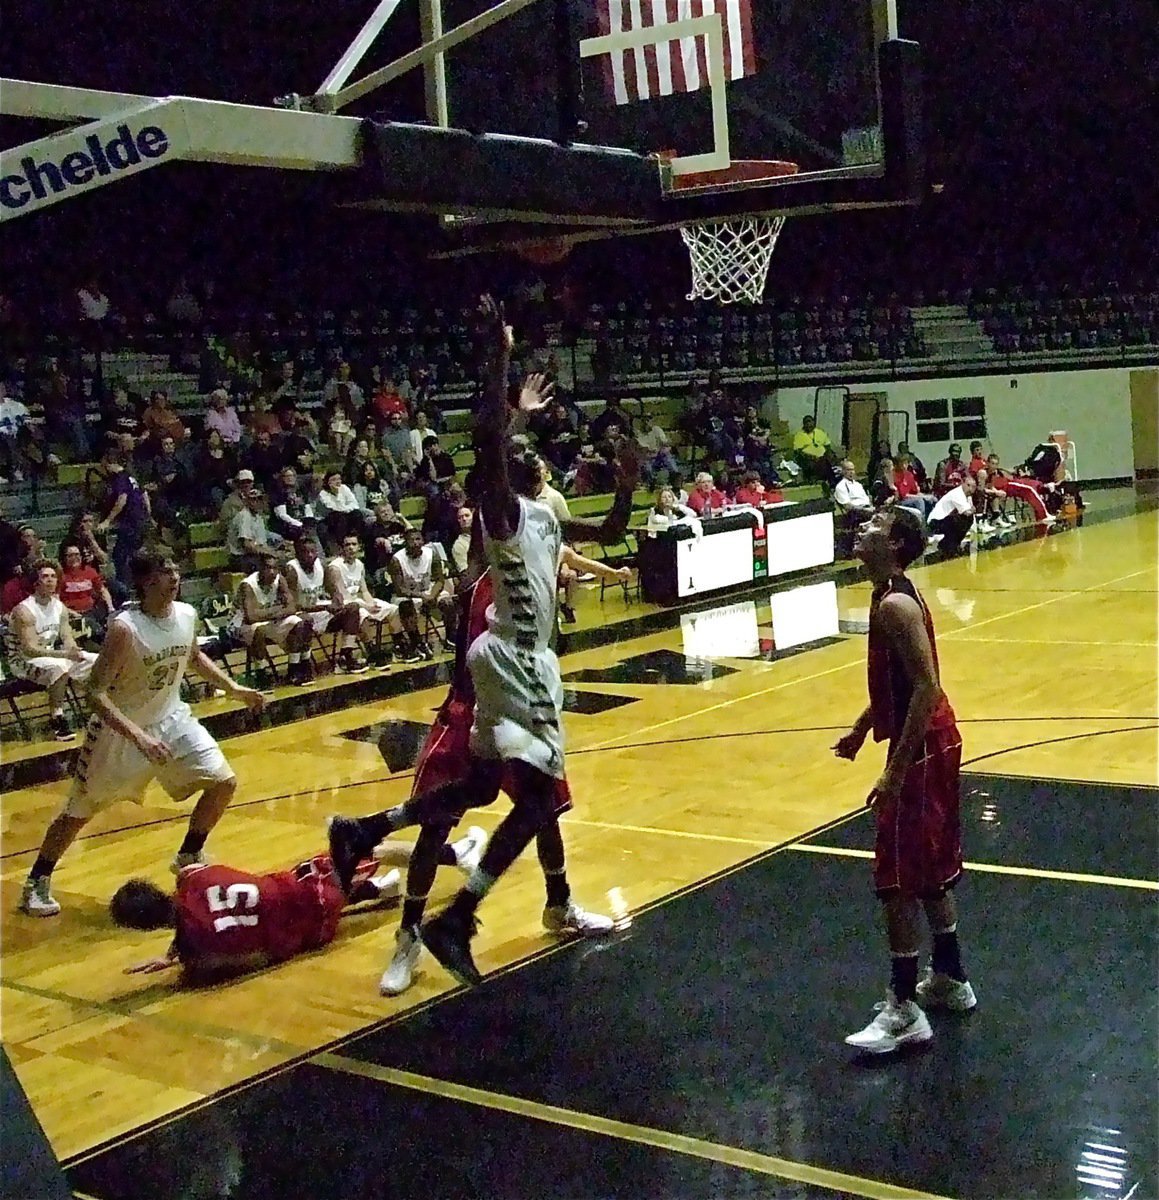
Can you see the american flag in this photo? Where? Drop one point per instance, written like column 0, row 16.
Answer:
column 676, row 65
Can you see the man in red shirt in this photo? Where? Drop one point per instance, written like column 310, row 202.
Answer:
column 706, row 499
column 950, row 472
column 387, row 401
column 226, row 920
column 977, row 462
column 915, row 802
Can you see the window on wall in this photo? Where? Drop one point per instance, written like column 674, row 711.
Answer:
column 944, row 420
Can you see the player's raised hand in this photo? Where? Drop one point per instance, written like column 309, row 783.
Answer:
column 493, row 333
column 623, row 574
column 536, row 394
column 629, row 460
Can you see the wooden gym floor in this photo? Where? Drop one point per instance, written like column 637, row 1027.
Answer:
column 699, row 1052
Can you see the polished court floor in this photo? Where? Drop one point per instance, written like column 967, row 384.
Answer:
column 698, row 1053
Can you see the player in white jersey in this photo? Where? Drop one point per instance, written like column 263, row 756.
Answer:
column 346, row 583
column 306, row 578
column 517, row 734
column 420, row 584
column 141, row 729
column 41, row 648
column 264, row 613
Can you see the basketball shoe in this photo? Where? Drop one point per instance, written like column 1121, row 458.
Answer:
column 399, row 973
column 36, row 898
column 448, row 937
column 943, row 991
column 569, row 918
column 895, row 1025
column 469, row 849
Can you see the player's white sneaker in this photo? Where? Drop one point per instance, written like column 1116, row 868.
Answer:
column 181, row 861
column 36, row 898
column 469, row 849
column 388, row 885
column 400, row 971
column 569, row 918
column 894, row 1026
column 943, row 991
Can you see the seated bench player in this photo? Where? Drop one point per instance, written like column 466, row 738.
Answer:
column 226, row 920
column 264, row 613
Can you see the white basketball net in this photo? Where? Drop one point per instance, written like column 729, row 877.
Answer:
column 730, row 259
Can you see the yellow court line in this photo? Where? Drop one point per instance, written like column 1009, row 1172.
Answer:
column 1065, row 641
column 1145, row 885
column 661, row 1139
column 759, row 843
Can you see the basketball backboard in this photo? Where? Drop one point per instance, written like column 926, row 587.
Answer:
column 662, row 112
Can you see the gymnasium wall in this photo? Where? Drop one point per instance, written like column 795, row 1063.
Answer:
column 1094, row 407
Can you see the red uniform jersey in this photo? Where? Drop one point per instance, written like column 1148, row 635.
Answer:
column 230, row 918
column 890, row 689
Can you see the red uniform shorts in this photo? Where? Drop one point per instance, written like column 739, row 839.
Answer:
column 446, row 759
column 918, row 849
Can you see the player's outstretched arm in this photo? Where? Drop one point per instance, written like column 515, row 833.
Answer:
column 849, row 744
column 498, row 502
column 204, row 666
column 579, row 562
column 152, row 965
column 610, row 529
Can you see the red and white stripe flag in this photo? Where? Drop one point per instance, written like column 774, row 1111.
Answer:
column 679, row 64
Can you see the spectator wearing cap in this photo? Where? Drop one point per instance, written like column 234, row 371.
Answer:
column 248, row 535
column 243, row 484
column 223, row 417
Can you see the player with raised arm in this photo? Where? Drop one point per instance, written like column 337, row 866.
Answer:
column 141, row 729
column 516, row 742
column 915, row 802
column 227, row 920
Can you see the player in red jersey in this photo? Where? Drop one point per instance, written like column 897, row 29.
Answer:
column 918, row 851
column 227, row 920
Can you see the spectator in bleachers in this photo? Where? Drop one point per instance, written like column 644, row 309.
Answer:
column 813, row 452
column 950, row 472
column 291, row 513
column 264, row 458
column 121, row 416
column 11, row 549
column 706, row 499
column 261, row 417
column 549, row 495
column 370, row 489
column 15, row 435
column 906, row 483
column 300, row 444
column 222, row 418
column 333, row 386
column 441, row 516
column 21, row 580
column 242, row 484
column 916, row 465
column 161, row 421
column 850, row 495
column 64, row 413
column 420, row 430
column 362, row 452
column 128, row 516
column 286, row 390
column 461, row 547
column 658, row 450
column 591, row 471
column 167, row 483
column 83, row 532
column 881, row 451
column 248, row 535
column 383, row 535
column 337, row 509
column 612, row 421
column 396, row 442
column 556, row 431
column 386, row 401
column 419, row 581
column 758, row 445
column 214, row 467
column 436, row 468
column 93, row 312
column 83, row 589
column 341, row 416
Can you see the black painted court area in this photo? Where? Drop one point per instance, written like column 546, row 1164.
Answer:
column 719, row 1016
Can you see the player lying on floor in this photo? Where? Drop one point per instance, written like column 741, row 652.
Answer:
column 226, row 920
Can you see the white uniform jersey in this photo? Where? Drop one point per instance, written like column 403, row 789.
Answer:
column 417, row 573
column 308, row 586
column 148, row 687
column 46, row 619
column 266, row 597
column 523, row 571
column 351, row 576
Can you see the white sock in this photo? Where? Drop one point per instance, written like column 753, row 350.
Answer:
column 349, row 641
column 294, row 657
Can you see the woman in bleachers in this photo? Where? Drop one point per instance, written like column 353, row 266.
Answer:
column 341, row 414
column 338, row 510
column 291, row 513
column 83, row 590
column 215, row 465
column 371, row 489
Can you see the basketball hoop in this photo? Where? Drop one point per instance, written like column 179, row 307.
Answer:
column 730, row 259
